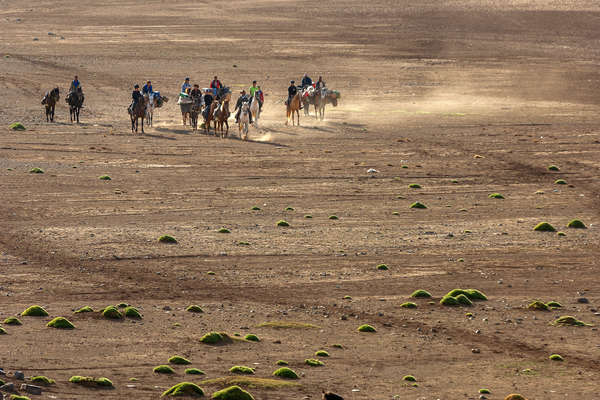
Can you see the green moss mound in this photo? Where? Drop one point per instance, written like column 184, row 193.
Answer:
column 314, row 362
column 333, row 217
column 420, row 293
column 577, row 224
column 179, row 360
column 194, row 371
column 104, row 178
column 168, row 239
column 35, row 311
column 132, row 312
column 337, row 346
column 449, row 301
column 538, row 306
column 544, row 227
column 281, row 362
column 308, row 216
column 414, row 186
column 194, row 308
column 18, row 397
column 255, row 208
column 2, row 332
column 554, row 304
column 484, row 391
column 212, row 338
column 241, row 369
column 475, row 294
column 84, row 310
column 321, row 353
column 36, row 170
column 122, row 305
column 561, row 234
column 17, row 126
column 418, row 205
column 560, row 182
column 90, row 381
column 463, row 300
column 163, row 369
column 553, row 168
column 409, row 378
column 232, row 393
column 556, row 357
column 224, row 230
column 514, row 397
column 60, row 323
column 366, row 328
column 408, row 304
column 251, row 337
column 286, row 373
column 12, row 321
column 184, row 389
column 382, row 267
column 282, row 223
column 111, row 312
column 42, row 380
column 569, row 320
column 495, row 196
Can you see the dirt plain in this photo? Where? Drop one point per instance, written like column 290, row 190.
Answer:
column 473, row 97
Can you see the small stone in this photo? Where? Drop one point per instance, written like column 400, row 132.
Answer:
column 9, row 387
column 583, row 300
column 475, row 351
column 343, row 318
column 33, row 389
column 166, row 308
column 19, row 375
column 277, row 341
column 482, row 397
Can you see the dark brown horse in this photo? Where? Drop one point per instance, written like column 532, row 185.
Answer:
column 293, row 106
column 194, row 111
column 49, row 101
column 209, row 114
column 137, row 111
column 320, row 101
column 221, row 116
column 75, row 101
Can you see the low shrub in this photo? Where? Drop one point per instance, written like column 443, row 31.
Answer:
column 286, row 373
column 178, row 360
column 420, row 293
column 35, row 311
column 366, row 328
column 60, row 323
column 184, row 389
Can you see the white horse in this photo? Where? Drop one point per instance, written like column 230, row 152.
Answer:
column 244, row 121
column 255, row 108
column 149, row 108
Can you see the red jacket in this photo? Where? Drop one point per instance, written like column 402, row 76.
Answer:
column 215, row 84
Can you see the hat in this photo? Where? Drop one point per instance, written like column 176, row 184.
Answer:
column 136, row 86
column 187, row 79
column 242, row 91
column 292, row 82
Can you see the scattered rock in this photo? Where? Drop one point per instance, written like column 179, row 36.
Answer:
column 19, row 375
column 9, row 388
column 583, row 300
column 33, row 389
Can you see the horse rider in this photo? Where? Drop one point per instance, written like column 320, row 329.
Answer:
column 292, row 91
column 208, row 99
column 320, row 83
column 147, row 89
column 215, row 85
column 306, row 81
column 196, row 92
column 186, row 85
column 254, row 89
column 74, row 84
column 136, row 96
column 261, row 99
column 238, row 106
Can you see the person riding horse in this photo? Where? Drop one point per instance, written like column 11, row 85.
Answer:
column 306, row 81
column 186, row 85
column 238, row 106
column 292, row 91
column 136, row 96
column 253, row 89
column 74, row 84
column 320, row 83
column 215, row 85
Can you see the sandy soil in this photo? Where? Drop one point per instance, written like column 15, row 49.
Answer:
column 471, row 98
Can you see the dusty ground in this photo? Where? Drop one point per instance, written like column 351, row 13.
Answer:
column 426, row 84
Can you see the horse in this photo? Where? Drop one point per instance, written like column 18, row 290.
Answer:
column 320, row 102
column 185, row 104
column 75, row 101
column 308, row 99
column 49, row 101
column 221, row 115
column 196, row 108
column 331, row 97
column 255, row 108
column 208, row 114
column 293, row 106
column 331, row 396
column 244, row 121
column 153, row 100
column 136, row 112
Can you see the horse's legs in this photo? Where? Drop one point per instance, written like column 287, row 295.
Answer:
column 142, row 117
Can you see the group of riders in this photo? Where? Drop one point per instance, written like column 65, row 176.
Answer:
column 306, row 83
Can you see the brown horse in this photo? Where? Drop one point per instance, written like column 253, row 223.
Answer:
column 49, row 101
column 75, row 101
column 135, row 112
column 320, row 101
column 194, row 111
column 293, row 106
column 221, row 116
column 208, row 114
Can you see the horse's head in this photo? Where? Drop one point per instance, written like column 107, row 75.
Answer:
column 245, row 106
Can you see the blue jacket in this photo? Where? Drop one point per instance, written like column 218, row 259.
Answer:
column 185, row 86
column 147, row 89
column 306, row 81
